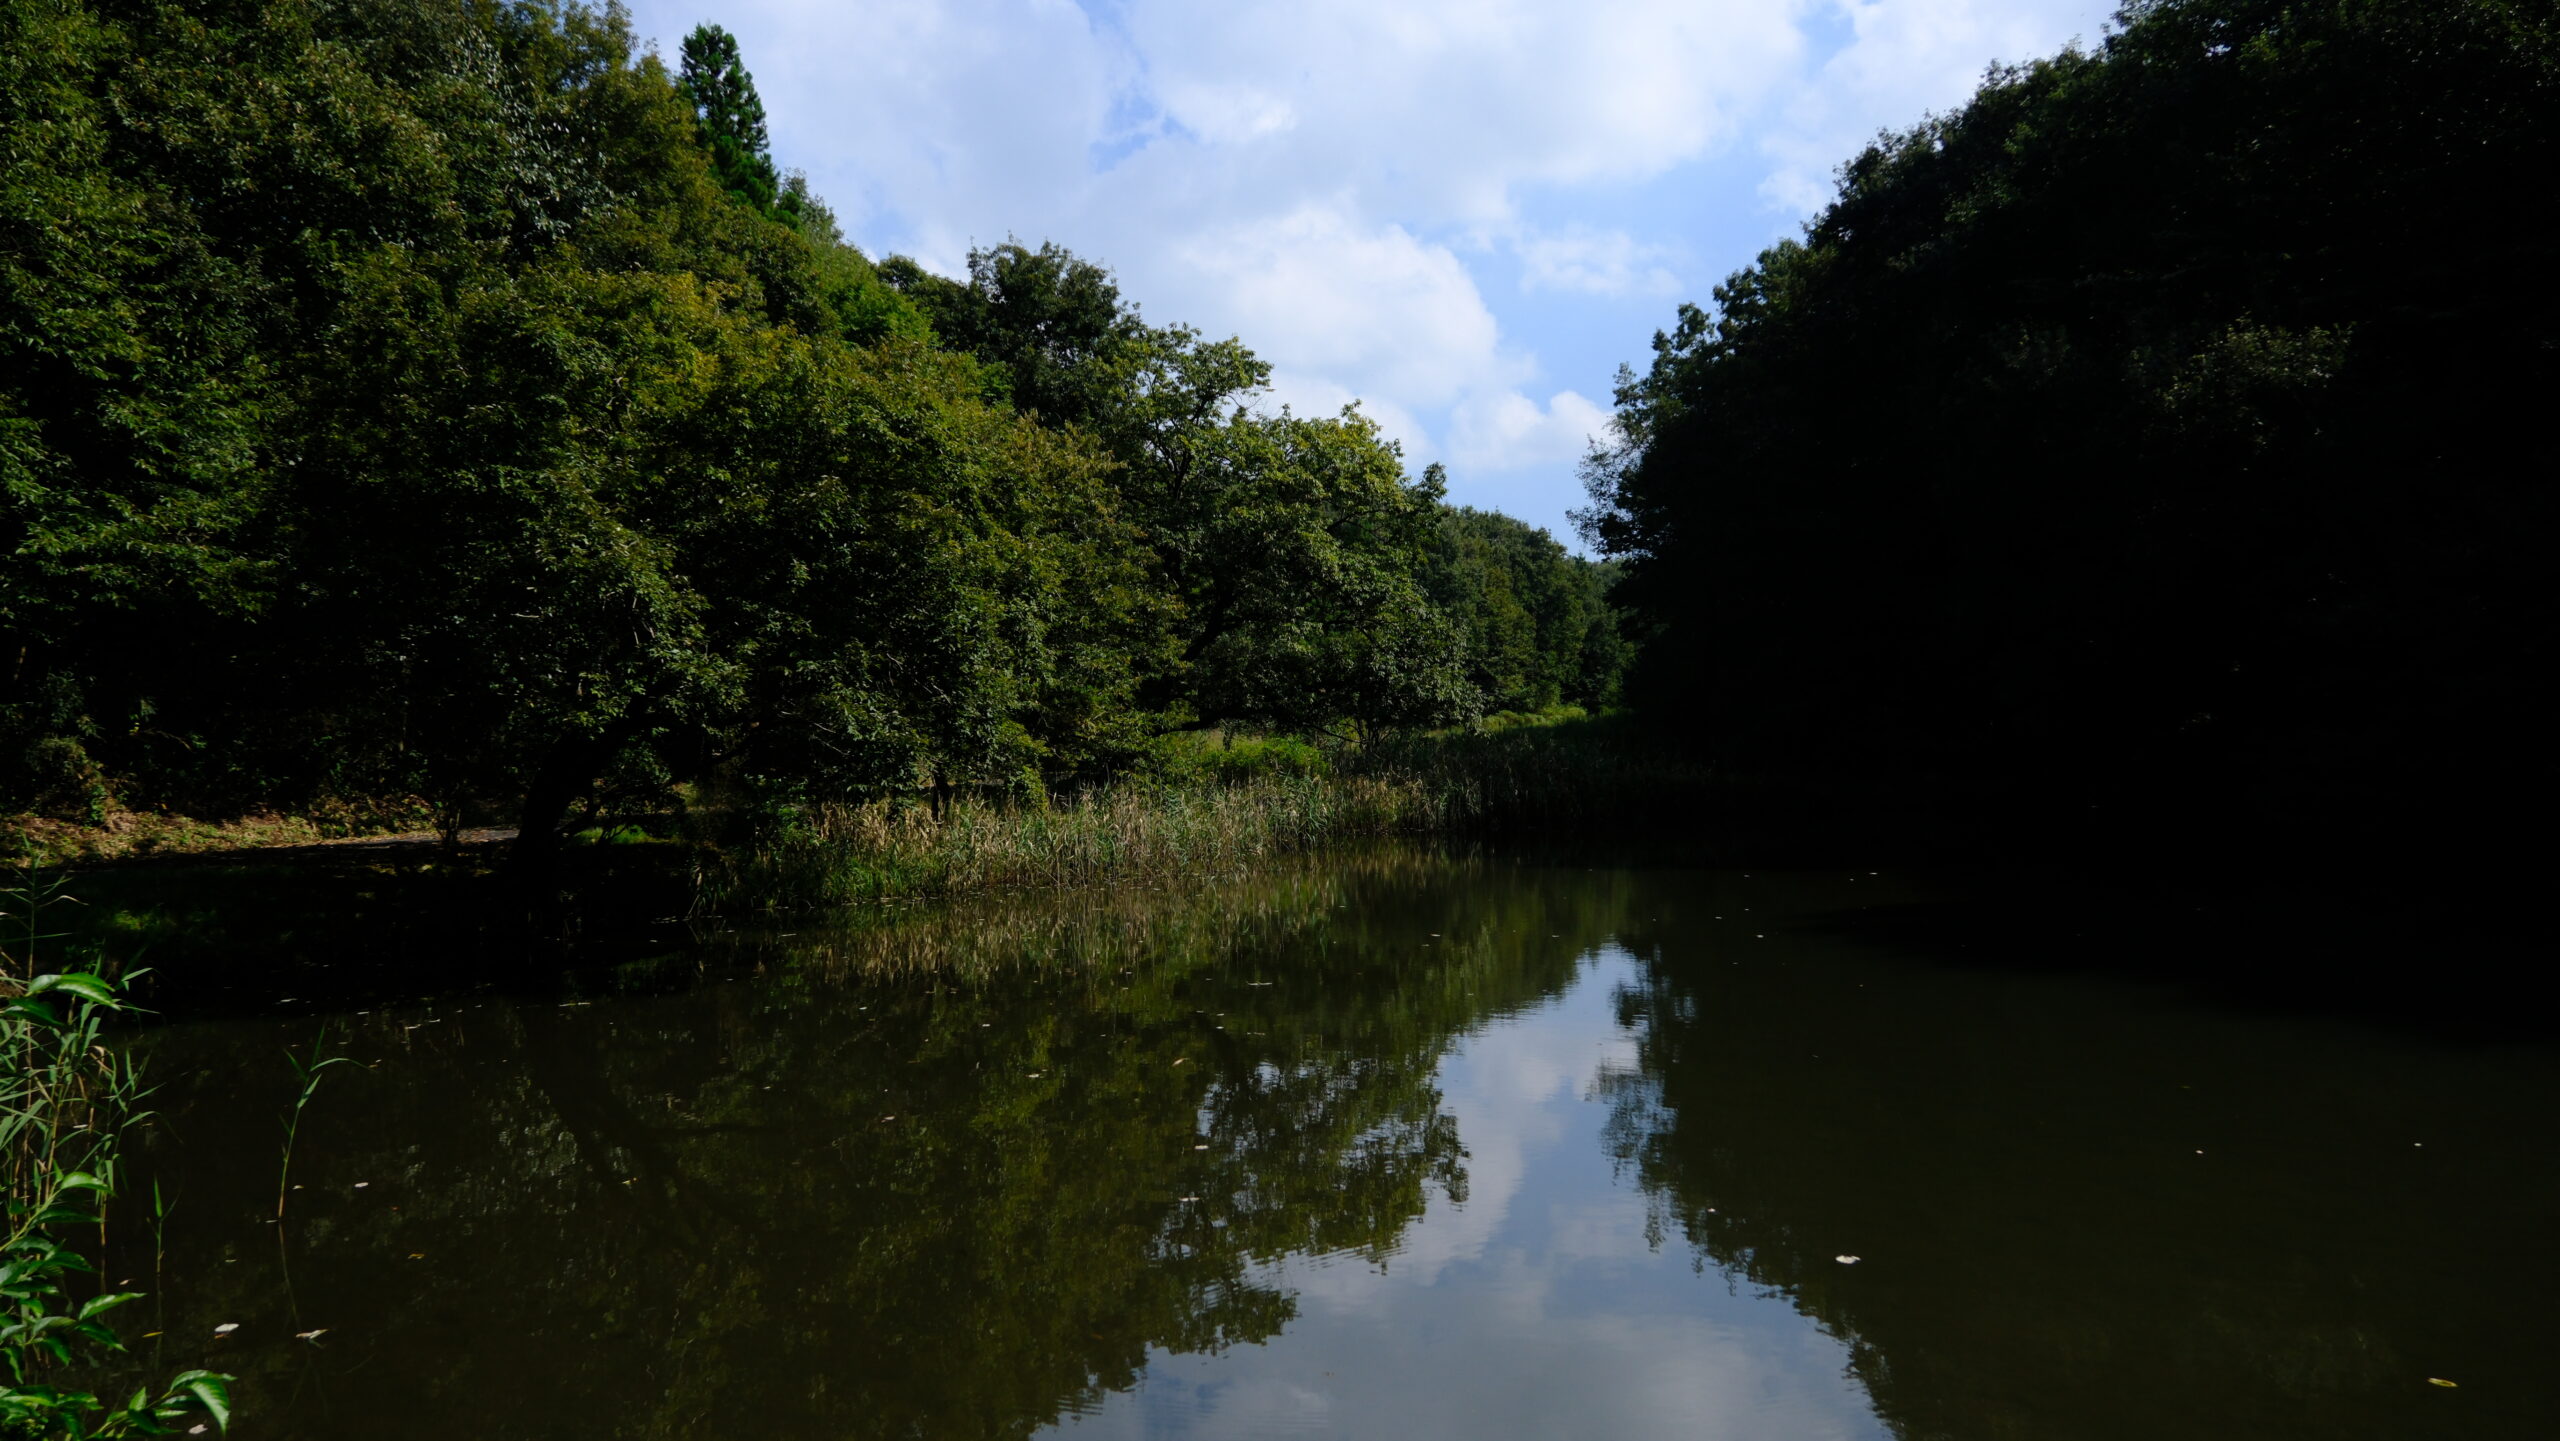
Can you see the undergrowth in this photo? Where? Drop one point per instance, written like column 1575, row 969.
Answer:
column 65, row 1101
column 1205, row 804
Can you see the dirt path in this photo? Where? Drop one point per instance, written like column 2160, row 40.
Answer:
column 350, row 850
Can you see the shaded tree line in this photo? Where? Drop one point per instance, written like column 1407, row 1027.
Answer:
column 2160, row 433
column 444, row 401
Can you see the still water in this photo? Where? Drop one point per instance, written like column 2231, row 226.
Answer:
column 1393, row 1146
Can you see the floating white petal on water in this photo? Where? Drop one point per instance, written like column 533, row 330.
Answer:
column 311, row 1335
column 1846, row 1260
column 226, row 1328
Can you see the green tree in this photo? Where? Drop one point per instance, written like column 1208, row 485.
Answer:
column 1290, row 549
column 1311, row 608
column 1538, row 626
column 464, row 438
column 731, row 116
column 2137, row 438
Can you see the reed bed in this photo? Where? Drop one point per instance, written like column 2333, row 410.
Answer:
column 841, row 854
column 1554, row 777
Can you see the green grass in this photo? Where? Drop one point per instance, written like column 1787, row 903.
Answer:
column 1202, row 802
column 1207, row 803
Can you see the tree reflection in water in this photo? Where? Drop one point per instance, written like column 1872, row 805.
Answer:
column 944, row 1174
column 2087, row 1207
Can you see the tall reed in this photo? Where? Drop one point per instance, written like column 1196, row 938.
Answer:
column 838, row 854
column 1207, row 816
column 65, row 1099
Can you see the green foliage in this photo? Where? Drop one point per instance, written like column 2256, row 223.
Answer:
column 1185, row 757
column 307, row 1071
column 1290, row 548
column 1204, row 804
column 1310, row 546
column 65, row 1098
column 1539, row 628
column 2157, row 430
column 438, row 408
column 715, row 81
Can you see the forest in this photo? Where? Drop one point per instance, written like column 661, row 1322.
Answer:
column 2160, row 438
column 922, row 857
column 444, row 414
column 433, row 413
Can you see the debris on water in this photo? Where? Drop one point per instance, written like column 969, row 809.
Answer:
column 360, row 1185
column 1199, row 1148
column 226, row 1328
column 311, row 1335
column 1846, row 1260
column 2438, row 1381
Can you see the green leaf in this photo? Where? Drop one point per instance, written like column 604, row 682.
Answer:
column 35, row 1011
column 97, row 990
column 211, row 1391
column 102, row 1303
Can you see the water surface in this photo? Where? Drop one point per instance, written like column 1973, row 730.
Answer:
column 1393, row 1146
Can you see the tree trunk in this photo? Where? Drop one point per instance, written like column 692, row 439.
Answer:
column 566, row 773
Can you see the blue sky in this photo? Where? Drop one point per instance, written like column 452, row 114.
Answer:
column 1464, row 214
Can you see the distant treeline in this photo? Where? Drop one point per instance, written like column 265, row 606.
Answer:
column 430, row 402
column 2167, row 432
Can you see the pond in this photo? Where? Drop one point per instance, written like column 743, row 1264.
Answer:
column 1395, row 1145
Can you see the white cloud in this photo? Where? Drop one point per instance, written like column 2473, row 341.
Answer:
column 1535, row 1308
column 1372, row 306
column 1507, row 430
column 1313, row 395
column 1323, row 177
column 1905, row 59
column 1593, row 262
column 1438, row 110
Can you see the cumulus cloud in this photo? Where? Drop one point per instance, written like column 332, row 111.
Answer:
column 1438, row 110
column 1304, row 394
column 1373, row 306
column 1540, row 1303
column 1593, row 262
column 1328, row 178
column 1904, row 60
column 1506, row 430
